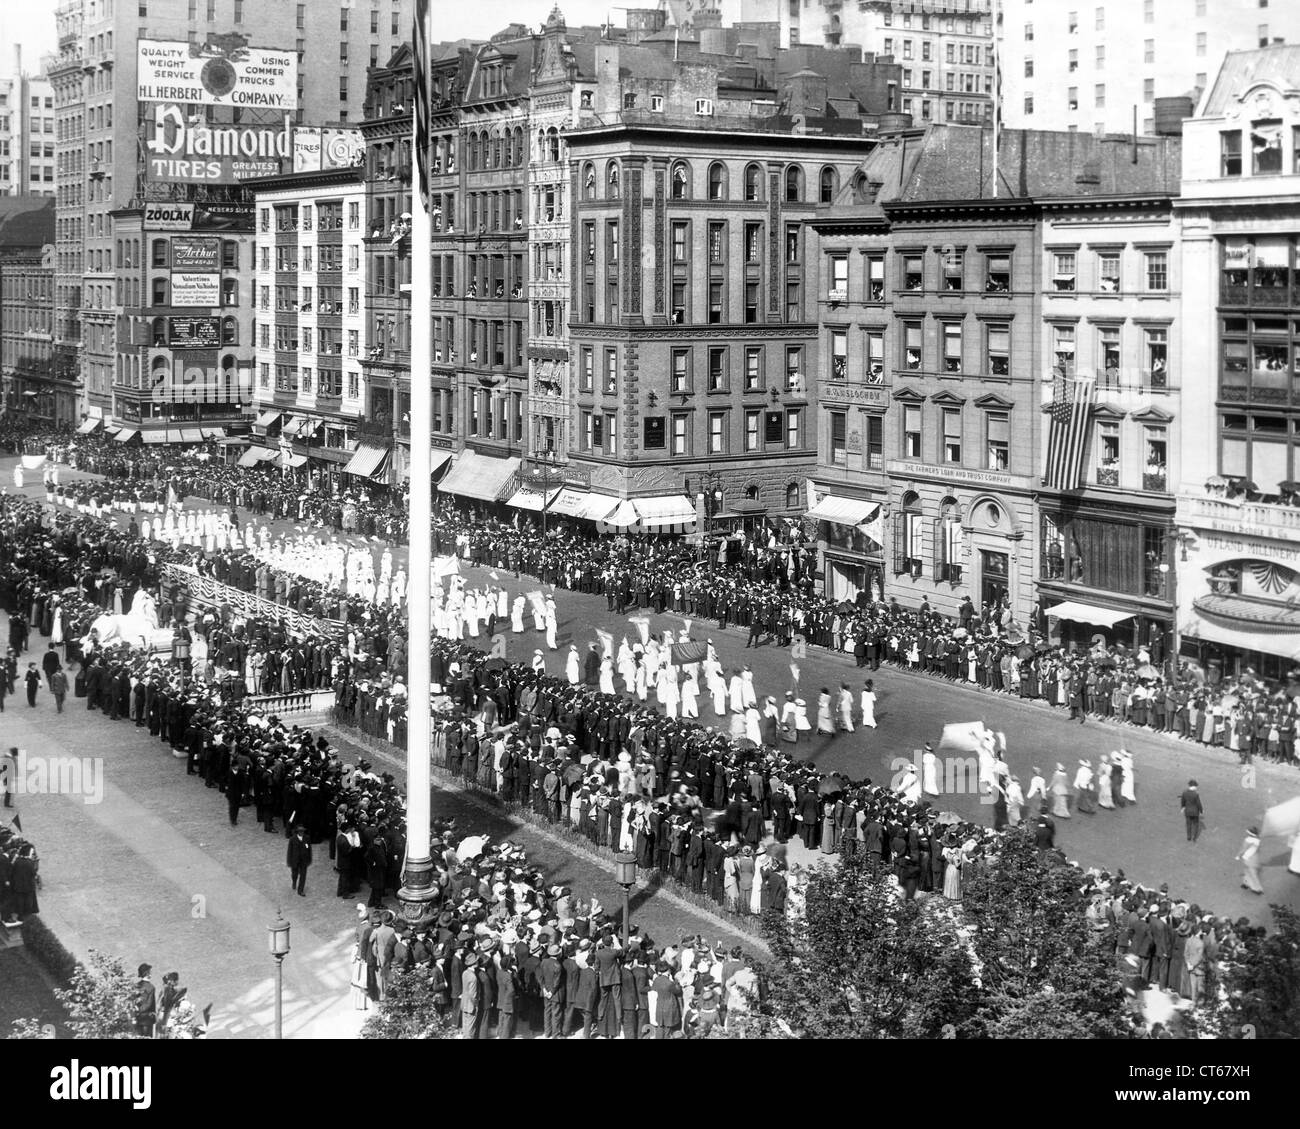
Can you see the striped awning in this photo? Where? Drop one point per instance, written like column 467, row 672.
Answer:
column 843, row 511
column 528, row 499
column 267, row 419
column 568, row 502
column 661, row 512
column 596, row 506
column 127, row 433
column 366, row 460
column 1088, row 613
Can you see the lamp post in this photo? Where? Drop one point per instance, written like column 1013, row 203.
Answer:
column 625, row 876
column 545, row 475
column 278, row 942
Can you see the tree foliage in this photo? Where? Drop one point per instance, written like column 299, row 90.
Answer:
column 861, row 964
column 408, row 1011
column 100, row 999
column 1263, row 982
column 1045, row 972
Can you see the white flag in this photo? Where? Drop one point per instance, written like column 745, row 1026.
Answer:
column 606, row 641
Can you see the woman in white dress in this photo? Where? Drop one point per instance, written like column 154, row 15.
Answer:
column 747, row 687
column 690, row 694
column 753, row 725
column 517, row 615
column 716, row 687
column 868, row 704
column 539, row 615
column 626, row 666
column 572, row 667
column 539, row 662
column 762, row 863
column 640, row 679
column 1103, row 783
column 551, row 624
column 930, row 772
column 1015, row 801
column 1128, row 788
column 736, row 693
column 801, row 722
column 607, row 675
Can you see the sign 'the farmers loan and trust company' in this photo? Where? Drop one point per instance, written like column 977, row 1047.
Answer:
column 221, row 71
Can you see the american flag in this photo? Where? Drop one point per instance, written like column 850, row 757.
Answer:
column 1068, row 431
column 420, row 49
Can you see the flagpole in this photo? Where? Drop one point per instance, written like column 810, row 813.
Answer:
column 418, row 889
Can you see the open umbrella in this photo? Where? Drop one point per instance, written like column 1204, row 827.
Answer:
column 1025, row 651
column 691, row 652
column 1146, row 671
column 1282, row 819
column 962, row 737
column 470, row 847
column 830, row 785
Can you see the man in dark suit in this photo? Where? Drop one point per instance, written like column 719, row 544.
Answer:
column 609, row 981
column 1162, row 939
column 551, row 977
column 299, row 859
column 146, row 1003
column 1142, row 945
column 1193, row 810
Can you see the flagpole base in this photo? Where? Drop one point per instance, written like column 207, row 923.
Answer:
column 418, row 892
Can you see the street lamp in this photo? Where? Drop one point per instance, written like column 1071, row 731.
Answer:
column 625, row 876
column 278, row 942
column 545, row 475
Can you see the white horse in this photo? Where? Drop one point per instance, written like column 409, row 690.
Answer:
column 132, row 629
column 144, row 606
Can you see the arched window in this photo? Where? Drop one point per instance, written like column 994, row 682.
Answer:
column 830, row 182
column 496, row 151
column 753, row 182
column 793, row 184
column 909, row 537
column 948, row 541
column 473, row 151
column 717, row 181
column 159, row 252
column 553, row 144
column 588, row 181
column 519, row 145
column 611, row 180
column 681, row 182
column 229, row 331
column 158, row 332
column 792, row 496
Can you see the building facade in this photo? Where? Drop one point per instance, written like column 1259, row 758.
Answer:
column 70, row 191
column 1238, row 522
column 28, row 388
column 1087, row 66
column 26, row 132
column 310, row 328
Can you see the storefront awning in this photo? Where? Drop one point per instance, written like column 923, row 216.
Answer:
column 657, row 513
column 127, row 433
column 88, row 425
column 255, row 455
column 293, row 425
column 1088, row 613
column 213, row 432
column 191, row 435
column 622, row 519
column 568, row 502
column 479, row 476
column 528, row 499
column 843, row 511
column 437, row 460
column 167, row 435
column 366, row 460
column 295, row 460
column 596, row 506
column 267, row 419
column 1210, row 625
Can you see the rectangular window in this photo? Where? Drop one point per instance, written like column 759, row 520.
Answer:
column 611, row 243
column 997, row 275
column 952, row 435
column 1107, row 453
column 751, row 302
column 912, row 431
column 753, row 369
column 794, row 369
column 1230, row 152
column 751, row 430
column 1149, row 51
column 1157, row 357
column 752, row 242
column 1099, row 96
column 678, row 301
column 1108, row 276
column 1063, row 338
column 717, row 370
column 875, row 278
column 681, row 436
column 839, row 354
column 1157, row 270
column 912, row 338
column 681, row 371
column 999, row 350
column 717, row 241
column 997, row 426
column 1155, row 473
column 952, row 347
column 1266, row 148
column 1201, row 43
column 838, row 447
column 954, row 269
column 715, row 302
column 839, row 277
column 875, row 425
column 1064, row 268
column 717, row 433
column 793, row 428
column 611, row 371
column 1101, row 56
column 1108, row 356
column 875, row 371
column 913, row 272
column 586, row 372
column 679, row 242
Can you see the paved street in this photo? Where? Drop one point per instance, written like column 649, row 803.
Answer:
column 1147, row 841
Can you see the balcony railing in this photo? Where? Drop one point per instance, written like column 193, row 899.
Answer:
column 1231, row 514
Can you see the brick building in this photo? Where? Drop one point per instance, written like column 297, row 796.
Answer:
column 28, row 385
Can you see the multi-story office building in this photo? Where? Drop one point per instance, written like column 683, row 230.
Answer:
column 70, row 191
column 1088, row 66
column 26, row 132
column 1239, row 525
column 1111, row 308
column 333, row 46
column 310, row 279
column 934, row 371
column 692, row 330
column 27, row 385
column 945, row 47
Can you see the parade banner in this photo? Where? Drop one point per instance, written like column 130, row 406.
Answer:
column 205, row 590
column 221, row 71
